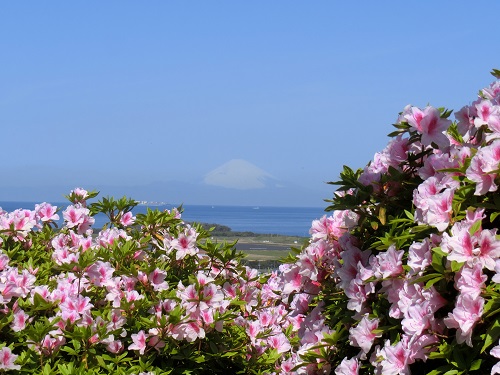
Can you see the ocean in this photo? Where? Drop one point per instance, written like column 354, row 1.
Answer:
column 291, row 221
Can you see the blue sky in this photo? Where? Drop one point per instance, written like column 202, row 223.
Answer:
column 120, row 96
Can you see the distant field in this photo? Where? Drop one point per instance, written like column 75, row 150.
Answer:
column 258, row 247
column 265, row 249
column 266, row 254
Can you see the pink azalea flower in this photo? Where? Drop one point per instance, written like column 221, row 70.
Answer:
column 266, row 319
column 496, row 277
column 357, row 293
column 139, row 342
column 459, row 247
column 79, row 195
column 482, row 168
column 4, row 260
column 115, row 346
column 24, row 281
column 279, row 342
column 470, row 280
column 477, row 172
column 127, row 219
column 420, row 345
column 65, row 256
column 100, row 273
column 363, row 334
column 307, row 265
column 19, row 321
column 253, row 329
column 188, row 331
column 440, row 210
column 434, row 163
column 202, row 279
column 495, row 352
column 46, row 212
column 488, row 114
column 495, row 369
column 492, row 92
column 230, row 290
column 185, row 244
column 117, row 320
column 333, row 227
column 7, row 359
column 467, row 312
column 348, row 367
column 133, row 295
column 465, row 117
column 418, row 317
column 292, row 278
column 388, row 263
column 107, row 237
column 18, row 223
column 50, row 344
column 75, row 215
column 42, row 290
column 430, row 124
column 73, row 308
column 157, row 279
column 155, row 340
column 349, row 269
column 395, row 359
column 463, row 247
column 419, row 256
column 286, row 366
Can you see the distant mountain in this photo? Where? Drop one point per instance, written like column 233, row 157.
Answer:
column 237, row 182
column 239, row 174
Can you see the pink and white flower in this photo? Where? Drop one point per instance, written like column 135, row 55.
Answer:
column 467, row 312
column 7, row 359
column 429, row 123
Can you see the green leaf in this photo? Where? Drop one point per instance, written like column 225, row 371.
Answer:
column 47, row 370
column 213, row 347
column 101, row 362
column 423, row 279
column 409, row 215
column 439, row 251
column 431, row 282
column 458, row 356
column 476, row 365
column 69, row 350
column 381, row 215
column 475, row 227
column 437, row 261
column 492, row 335
column 456, row 266
column 441, row 370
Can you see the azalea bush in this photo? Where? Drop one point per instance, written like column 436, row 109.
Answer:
column 145, row 294
column 148, row 294
column 408, row 265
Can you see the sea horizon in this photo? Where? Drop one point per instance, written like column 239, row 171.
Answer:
column 280, row 220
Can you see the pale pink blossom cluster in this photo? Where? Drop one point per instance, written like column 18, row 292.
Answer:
column 17, row 223
column 392, row 156
column 288, row 301
column 397, row 274
column 277, row 311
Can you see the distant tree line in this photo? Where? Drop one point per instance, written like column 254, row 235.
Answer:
column 225, row 231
